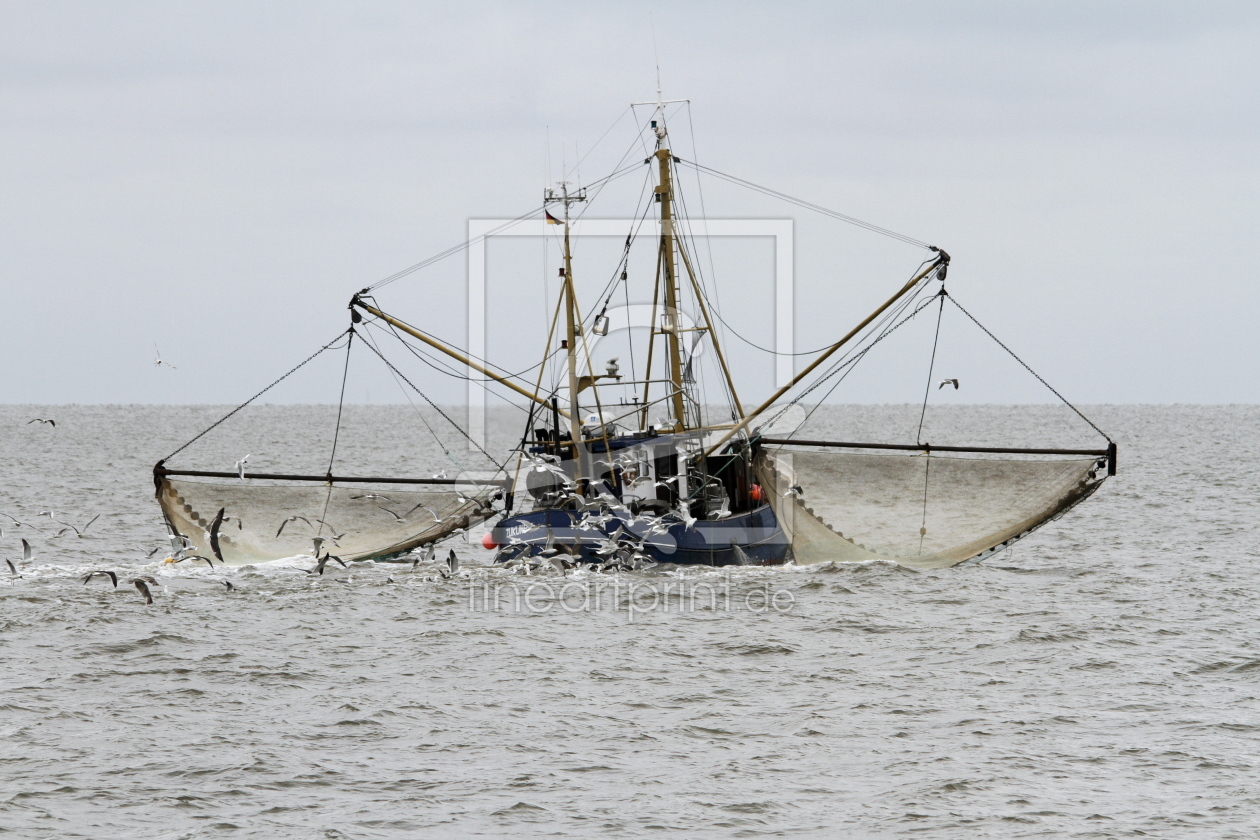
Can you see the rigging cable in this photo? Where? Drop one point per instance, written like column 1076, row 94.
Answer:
column 419, row 414
column 808, row 205
column 1030, row 370
column 222, row 419
column 444, row 415
column 851, row 360
column 455, row 249
column 927, row 389
column 776, row 352
column 434, row 363
column 341, row 404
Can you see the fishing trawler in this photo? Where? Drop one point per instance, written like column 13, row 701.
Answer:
column 622, row 471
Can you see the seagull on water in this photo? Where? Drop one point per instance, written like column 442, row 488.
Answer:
column 26, row 557
column 452, row 565
column 426, row 557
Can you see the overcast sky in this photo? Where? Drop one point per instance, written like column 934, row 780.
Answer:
column 218, row 178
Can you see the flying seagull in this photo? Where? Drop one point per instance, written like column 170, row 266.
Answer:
column 953, row 382
column 52, row 423
column 214, row 535
column 19, row 523
column 293, row 519
column 78, row 532
column 105, row 572
column 240, row 467
column 144, row 590
column 372, row 496
column 428, row 510
column 452, row 565
column 158, row 361
column 323, row 561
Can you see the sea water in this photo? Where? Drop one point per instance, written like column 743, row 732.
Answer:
column 1100, row 679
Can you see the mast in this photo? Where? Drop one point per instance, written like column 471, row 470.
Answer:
column 573, row 327
column 671, row 324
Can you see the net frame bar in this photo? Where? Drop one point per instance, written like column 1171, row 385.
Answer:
column 161, row 472
column 1109, row 452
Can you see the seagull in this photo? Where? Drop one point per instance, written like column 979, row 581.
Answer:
column 953, row 382
column 179, row 547
column 77, row 532
column 373, row 496
column 106, row 572
column 397, row 518
column 292, row 519
column 240, row 467
column 441, row 474
column 12, row 569
column 428, row 510
column 228, row 584
column 323, row 561
column 52, row 423
column 452, row 565
column 19, row 523
column 741, row 556
column 333, row 535
column 144, row 590
column 157, row 362
column 214, row 535
column 427, row 556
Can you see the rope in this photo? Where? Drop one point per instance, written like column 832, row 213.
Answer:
column 1030, row 370
column 927, row 389
column 852, row 361
column 444, row 415
column 455, row 249
column 222, row 419
column 419, row 414
column 909, row 240
column 927, row 471
column 341, row 404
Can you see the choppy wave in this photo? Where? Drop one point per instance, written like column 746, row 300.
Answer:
column 1096, row 681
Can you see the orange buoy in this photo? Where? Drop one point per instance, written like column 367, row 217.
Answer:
column 487, row 542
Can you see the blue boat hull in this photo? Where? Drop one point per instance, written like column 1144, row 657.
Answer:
column 704, row 543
